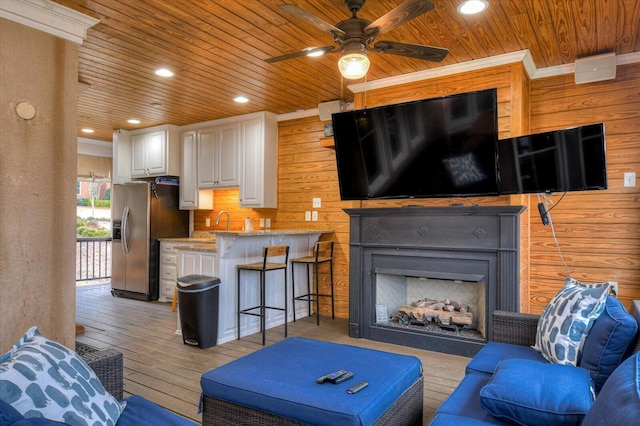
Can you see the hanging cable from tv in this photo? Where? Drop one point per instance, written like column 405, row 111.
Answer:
column 545, row 205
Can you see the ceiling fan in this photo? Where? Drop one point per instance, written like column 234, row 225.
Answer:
column 354, row 36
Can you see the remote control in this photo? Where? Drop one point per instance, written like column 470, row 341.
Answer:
column 331, row 376
column 357, row 388
column 342, row 378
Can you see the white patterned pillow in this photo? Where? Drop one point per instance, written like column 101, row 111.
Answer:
column 42, row 378
column 565, row 322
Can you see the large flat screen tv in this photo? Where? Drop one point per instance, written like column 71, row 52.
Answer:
column 571, row 159
column 440, row 147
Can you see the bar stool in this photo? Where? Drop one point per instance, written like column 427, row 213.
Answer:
column 268, row 263
column 322, row 253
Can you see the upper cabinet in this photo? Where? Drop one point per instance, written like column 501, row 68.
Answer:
column 259, row 161
column 191, row 197
column 155, row 152
column 218, row 156
column 239, row 151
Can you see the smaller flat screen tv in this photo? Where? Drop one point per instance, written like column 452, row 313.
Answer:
column 571, row 159
column 440, row 147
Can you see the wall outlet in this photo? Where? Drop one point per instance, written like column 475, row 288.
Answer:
column 317, row 203
column 614, row 287
column 262, row 222
column 314, row 216
column 207, row 222
column 268, row 222
column 629, row 179
column 307, row 216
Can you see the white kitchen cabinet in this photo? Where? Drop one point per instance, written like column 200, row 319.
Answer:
column 189, row 263
column 259, row 161
column 191, row 197
column 168, row 270
column 155, row 151
column 218, row 156
column 176, row 260
column 199, row 262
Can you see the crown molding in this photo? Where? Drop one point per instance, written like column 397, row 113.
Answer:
column 49, row 17
column 523, row 56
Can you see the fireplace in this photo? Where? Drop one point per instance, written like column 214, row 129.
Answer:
column 401, row 257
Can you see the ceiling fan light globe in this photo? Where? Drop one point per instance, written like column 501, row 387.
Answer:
column 354, row 65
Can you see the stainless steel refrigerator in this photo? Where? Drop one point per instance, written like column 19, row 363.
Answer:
column 141, row 213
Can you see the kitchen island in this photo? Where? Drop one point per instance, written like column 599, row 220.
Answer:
column 218, row 256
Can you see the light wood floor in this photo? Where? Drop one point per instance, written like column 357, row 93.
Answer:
column 158, row 366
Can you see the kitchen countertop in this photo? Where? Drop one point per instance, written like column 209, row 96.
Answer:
column 200, row 247
column 189, row 240
column 272, row 232
column 212, row 234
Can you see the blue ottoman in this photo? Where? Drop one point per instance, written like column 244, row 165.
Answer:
column 277, row 385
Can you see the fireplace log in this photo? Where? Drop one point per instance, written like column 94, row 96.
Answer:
column 444, row 317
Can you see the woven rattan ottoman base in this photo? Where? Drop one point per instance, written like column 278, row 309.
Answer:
column 406, row 411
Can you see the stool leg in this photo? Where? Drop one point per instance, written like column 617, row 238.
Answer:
column 238, row 311
column 333, row 312
column 174, row 303
column 316, row 267
column 286, row 316
column 262, row 306
column 309, row 297
column 293, row 290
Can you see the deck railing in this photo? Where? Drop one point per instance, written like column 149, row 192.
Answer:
column 93, row 258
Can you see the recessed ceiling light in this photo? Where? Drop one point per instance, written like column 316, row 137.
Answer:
column 133, row 121
column 241, row 100
column 471, row 7
column 87, row 130
column 163, row 72
column 316, row 53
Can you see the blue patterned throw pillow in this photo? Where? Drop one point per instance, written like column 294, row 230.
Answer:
column 43, row 379
column 565, row 322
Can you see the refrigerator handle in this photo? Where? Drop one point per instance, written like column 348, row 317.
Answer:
column 125, row 229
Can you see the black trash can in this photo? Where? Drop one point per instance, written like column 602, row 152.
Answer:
column 198, row 305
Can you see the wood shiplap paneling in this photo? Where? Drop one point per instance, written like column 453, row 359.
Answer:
column 308, row 170
column 598, row 231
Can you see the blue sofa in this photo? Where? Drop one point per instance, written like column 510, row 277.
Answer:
column 509, row 382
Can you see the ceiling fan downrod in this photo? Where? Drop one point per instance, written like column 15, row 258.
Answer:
column 354, row 5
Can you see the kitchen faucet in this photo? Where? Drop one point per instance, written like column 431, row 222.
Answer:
column 220, row 214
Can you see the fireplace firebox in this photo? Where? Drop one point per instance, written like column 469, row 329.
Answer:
column 412, row 259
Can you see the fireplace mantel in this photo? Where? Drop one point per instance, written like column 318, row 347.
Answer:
column 467, row 241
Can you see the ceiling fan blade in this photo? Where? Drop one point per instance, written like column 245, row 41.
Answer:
column 324, row 50
column 398, row 16
column 298, row 12
column 419, row 51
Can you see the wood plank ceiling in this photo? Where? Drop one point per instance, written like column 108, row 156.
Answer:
column 217, row 50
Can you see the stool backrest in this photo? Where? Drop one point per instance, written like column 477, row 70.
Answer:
column 323, row 249
column 275, row 251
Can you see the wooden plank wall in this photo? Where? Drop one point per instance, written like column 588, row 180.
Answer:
column 597, row 229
